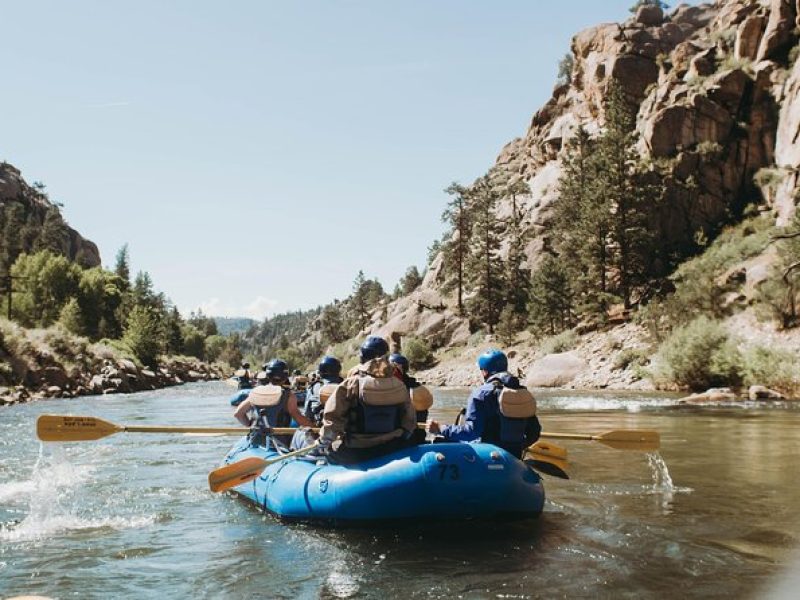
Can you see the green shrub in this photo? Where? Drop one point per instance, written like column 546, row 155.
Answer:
column 700, row 355
column 418, row 352
column 144, row 335
column 564, row 341
column 635, row 357
column 770, row 367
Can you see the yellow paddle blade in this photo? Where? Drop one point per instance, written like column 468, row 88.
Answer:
column 237, row 473
column 66, row 428
column 545, row 448
column 545, row 463
column 247, row 469
column 631, row 439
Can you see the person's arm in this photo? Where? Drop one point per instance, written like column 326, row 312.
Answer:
column 240, row 414
column 473, row 425
column 291, row 406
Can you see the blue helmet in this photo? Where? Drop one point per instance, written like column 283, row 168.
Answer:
column 373, row 347
column 277, row 369
column 329, row 365
column 493, row 361
column 399, row 360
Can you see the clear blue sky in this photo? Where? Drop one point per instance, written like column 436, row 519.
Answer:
column 255, row 155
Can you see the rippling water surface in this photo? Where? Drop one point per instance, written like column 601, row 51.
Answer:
column 714, row 514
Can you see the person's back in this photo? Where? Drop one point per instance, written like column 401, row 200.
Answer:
column 319, row 391
column 500, row 412
column 370, row 409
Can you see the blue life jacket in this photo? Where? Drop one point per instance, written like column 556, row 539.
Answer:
column 240, row 397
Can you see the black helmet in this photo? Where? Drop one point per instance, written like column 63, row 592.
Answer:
column 277, row 369
column 373, row 347
column 399, row 360
column 329, row 365
column 245, row 365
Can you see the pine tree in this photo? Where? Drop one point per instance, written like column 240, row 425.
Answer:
column 411, row 280
column 484, row 264
column 456, row 248
column 359, row 301
column 122, row 265
column 331, row 325
column 582, row 223
column 551, row 304
column 620, row 183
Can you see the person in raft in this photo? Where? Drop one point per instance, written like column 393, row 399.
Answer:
column 500, row 412
column 243, row 376
column 421, row 396
column 370, row 412
column 271, row 405
column 329, row 370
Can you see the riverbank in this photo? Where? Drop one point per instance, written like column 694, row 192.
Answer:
column 52, row 363
column 626, row 357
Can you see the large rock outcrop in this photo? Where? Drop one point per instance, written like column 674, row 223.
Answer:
column 32, row 209
column 717, row 93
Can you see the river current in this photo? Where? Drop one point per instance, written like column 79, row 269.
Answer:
column 713, row 514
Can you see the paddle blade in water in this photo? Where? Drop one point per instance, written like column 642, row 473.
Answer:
column 237, row 473
column 63, row 428
column 550, row 449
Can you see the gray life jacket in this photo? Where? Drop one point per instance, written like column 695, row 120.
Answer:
column 516, row 408
column 269, row 405
column 381, row 404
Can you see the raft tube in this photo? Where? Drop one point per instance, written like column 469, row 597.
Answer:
column 450, row 481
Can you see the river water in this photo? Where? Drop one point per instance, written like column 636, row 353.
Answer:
column 713, row 514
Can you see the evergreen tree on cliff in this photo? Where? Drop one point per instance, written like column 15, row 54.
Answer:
column 484, row 264
column 122, row 266
column 582, row 223
column 623, row 190
column 455, row 249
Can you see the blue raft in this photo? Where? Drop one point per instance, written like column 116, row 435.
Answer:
column 430, row 481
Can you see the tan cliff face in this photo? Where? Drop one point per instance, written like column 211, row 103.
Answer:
column 718, row 93
column 14, row 189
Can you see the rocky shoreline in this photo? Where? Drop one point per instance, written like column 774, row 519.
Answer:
column 121, row 376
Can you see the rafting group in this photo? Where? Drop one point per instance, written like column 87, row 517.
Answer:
column 360, row 449
column 379, row 407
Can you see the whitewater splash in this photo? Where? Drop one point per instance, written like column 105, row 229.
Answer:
column 50, row 497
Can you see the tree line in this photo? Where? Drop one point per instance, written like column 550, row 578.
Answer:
column 604, row 247
column 109, row 305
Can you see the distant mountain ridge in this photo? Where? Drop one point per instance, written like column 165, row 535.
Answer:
column 229, row 325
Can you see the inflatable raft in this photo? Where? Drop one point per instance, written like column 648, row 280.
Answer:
column 431, row 481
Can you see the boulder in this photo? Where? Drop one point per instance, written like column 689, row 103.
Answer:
column 55, row 376
column 748, row 37
column 53, row 391
column 779, row 32
column 711, row 395
column 760, row 392
column 128, row 366
column 555, row 370
column 649, row 15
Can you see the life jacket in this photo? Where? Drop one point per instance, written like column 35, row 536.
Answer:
column 243, row 377
column 318, row 395
column 381, row 404
column 516, row 407
column 269, row 405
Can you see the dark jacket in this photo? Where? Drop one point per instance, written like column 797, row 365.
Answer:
column 483, row 419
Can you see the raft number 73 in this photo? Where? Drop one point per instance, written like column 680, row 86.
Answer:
column 448, row 472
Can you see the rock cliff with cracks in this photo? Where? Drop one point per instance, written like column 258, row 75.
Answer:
column 717, row 88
